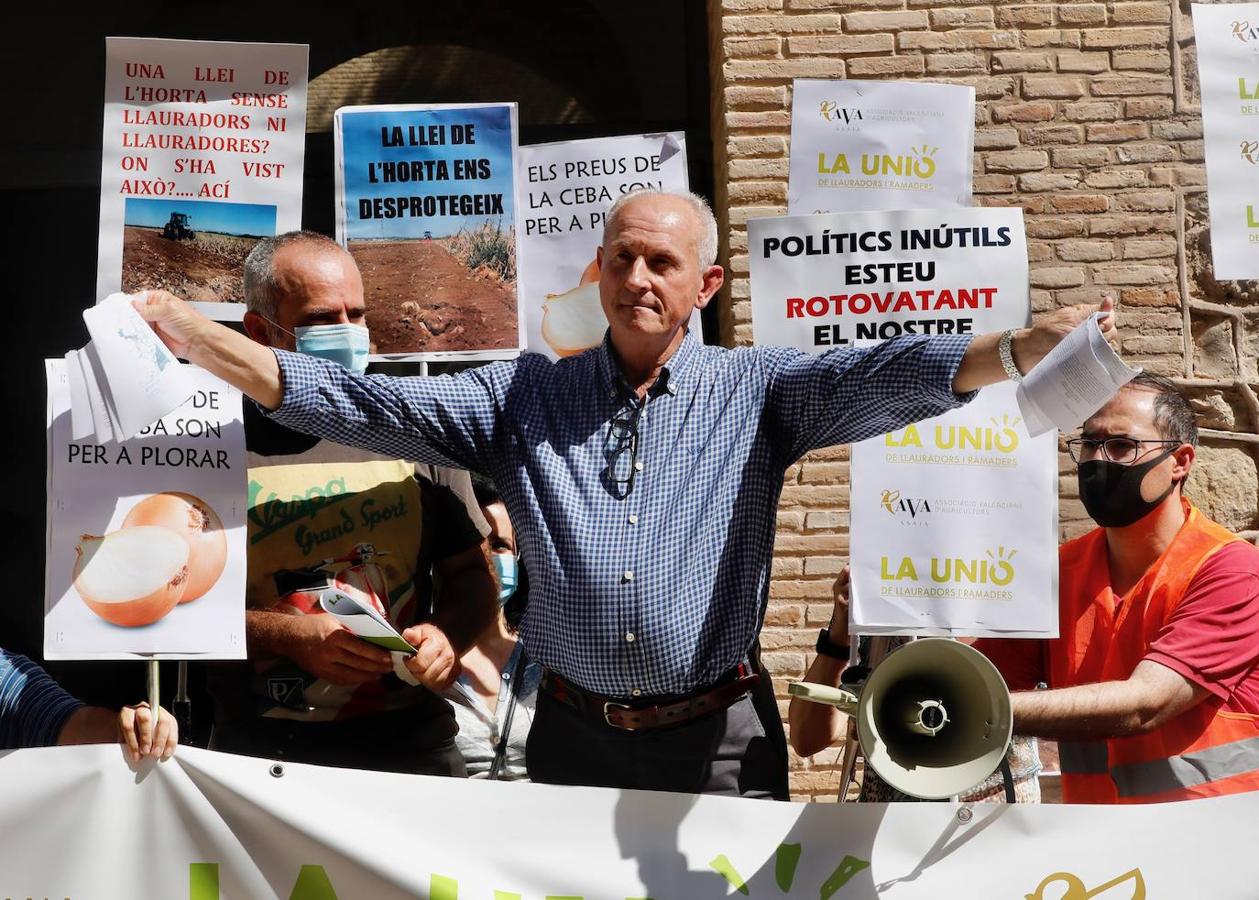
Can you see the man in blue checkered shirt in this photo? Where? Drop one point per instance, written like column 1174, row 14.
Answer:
column 642, row 477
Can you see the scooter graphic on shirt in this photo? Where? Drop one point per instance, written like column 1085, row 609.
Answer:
column 355, row 574
column 352, row 589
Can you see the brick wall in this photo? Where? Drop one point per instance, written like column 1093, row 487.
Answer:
column 1087, row 117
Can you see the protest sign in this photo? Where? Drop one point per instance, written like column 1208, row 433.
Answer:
column 78, row 822
column 1227, row 36
column 203, row 150
column 426, row 204
column 146, row 538
column 566, row 190
column 865, row 145
column 954, row 520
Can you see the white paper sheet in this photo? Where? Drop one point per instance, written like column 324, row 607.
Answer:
column 102, row 419
column 1073, row 381
column 80, row 410
column 143, row 380
column 363, row 621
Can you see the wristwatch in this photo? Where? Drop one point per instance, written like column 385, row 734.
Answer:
column 827, row 647
column 1007, row 356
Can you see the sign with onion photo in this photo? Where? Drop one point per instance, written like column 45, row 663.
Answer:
column 566, row 190
column 146, row 538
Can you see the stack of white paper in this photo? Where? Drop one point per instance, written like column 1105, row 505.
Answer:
column 1073, row 381
column 125, row 378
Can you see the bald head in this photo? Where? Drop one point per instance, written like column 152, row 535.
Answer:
column 701, row 224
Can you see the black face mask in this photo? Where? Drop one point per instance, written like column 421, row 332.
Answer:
column 1111, row 492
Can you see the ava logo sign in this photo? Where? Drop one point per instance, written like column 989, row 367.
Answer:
column 1244, row 32
column 842, row 115
column 1250, row 152
column 902, row 507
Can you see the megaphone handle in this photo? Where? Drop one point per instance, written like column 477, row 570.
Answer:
column 1007, row 778
column 851, row 746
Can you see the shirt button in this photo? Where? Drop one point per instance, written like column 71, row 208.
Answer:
column 627, row 575
column 636, row 692
column 638, row 466
column 633, row 519
column 629, row 637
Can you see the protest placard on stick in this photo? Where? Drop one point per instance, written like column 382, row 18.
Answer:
column 146, row 537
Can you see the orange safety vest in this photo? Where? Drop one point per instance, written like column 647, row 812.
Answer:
column 1208, row 750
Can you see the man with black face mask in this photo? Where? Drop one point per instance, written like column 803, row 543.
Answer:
column 1153, row 687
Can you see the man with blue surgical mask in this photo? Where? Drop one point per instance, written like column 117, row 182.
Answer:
column 403, row 537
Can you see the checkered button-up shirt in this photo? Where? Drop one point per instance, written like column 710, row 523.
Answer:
column 657, row 586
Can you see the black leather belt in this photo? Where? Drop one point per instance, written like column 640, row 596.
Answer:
column 645, row 715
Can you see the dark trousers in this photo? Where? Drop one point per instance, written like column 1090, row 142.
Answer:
column 394, row 742
column 739, row 751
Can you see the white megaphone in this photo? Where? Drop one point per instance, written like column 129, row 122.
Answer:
column 933, row 718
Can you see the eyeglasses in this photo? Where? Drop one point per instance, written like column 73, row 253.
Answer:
column 622, row 451
column 1116, row 449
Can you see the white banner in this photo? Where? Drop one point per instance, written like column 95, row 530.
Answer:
column 1227, row 36
column 203, row 151
column 566, row 190
column 865, row 145
column 954, row 519
column 146, row 538
column 80, row 823
column 426, row 204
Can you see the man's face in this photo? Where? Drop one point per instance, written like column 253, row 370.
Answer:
column 1129, row 417
column 317, row 285
column 650, row 279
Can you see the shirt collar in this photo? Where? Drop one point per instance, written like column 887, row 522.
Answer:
column 672, row 374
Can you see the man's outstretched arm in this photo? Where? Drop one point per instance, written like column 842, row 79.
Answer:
column 1147, row 699
column 246, row 365
column 981, row 365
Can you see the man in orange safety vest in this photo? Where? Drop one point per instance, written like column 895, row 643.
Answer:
column 1152, row 686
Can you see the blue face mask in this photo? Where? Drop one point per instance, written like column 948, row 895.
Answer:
column 342, row 343
column 508, row 573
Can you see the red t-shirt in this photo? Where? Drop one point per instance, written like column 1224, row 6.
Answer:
column 1212, row 638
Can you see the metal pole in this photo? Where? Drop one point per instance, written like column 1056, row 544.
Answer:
column 181, row 706
column 155, row 693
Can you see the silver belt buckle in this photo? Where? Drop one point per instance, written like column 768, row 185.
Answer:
column 610, row 704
